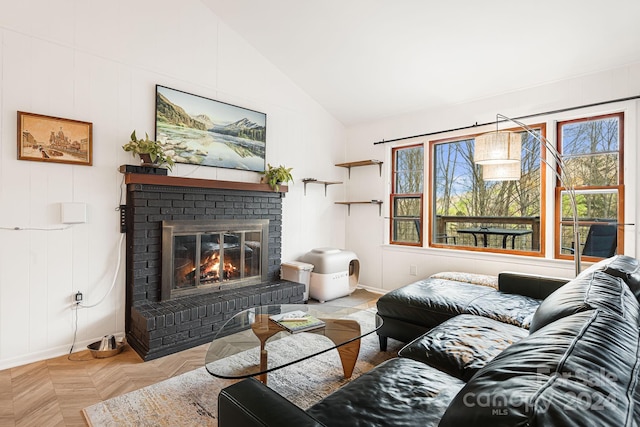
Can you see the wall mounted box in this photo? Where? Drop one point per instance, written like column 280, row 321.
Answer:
column 73, row 213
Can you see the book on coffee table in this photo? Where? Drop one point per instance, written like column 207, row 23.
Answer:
column 297, row 321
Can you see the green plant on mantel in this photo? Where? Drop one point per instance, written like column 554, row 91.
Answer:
column 274, row 176
column 150, row 152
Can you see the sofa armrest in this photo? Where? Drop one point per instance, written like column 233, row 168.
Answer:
column 530, row 285
column 250, row 403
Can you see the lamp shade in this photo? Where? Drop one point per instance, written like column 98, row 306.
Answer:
column 501, row 172
column 497, row 148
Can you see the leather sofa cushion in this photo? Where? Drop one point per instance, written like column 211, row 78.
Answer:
column 513, row 309
column 398, row 392
column 250, row 403
column 462, row 345
column 431, row 301
column 588, row 291
column 580, row 370
column 622, row 266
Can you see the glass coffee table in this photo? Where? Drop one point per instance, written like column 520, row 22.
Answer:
column 252, row 343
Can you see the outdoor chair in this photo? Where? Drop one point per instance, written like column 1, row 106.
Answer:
column 601, row 242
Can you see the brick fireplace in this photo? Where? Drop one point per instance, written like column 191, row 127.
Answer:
column 158, row 326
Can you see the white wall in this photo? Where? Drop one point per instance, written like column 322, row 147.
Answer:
column 99, row 62
column 387, row 267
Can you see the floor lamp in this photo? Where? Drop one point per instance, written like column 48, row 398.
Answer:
column 499, row 153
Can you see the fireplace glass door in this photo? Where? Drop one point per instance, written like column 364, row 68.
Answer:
column 198, row 257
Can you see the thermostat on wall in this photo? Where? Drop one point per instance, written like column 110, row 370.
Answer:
column 73, row 213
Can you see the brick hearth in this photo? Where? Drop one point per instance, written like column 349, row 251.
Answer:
column 157, row 328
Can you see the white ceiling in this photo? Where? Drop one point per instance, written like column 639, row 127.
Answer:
column 364, row 60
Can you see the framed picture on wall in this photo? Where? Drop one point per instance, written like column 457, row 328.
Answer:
column 201, row 131
column 54, row 139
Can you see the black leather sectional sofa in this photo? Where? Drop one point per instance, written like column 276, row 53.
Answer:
column 412, row 310
column 577, row 364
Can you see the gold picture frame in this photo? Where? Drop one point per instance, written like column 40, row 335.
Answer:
column 53, row 139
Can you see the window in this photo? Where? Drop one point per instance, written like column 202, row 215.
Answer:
column 469, row 212
column 406, row 195
column 592, row 151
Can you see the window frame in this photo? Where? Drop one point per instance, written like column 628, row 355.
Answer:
column 619, row 188
column 550, row 215
column 393, row 196
column 541, row 252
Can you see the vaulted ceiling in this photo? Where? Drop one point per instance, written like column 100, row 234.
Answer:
column 364, row 60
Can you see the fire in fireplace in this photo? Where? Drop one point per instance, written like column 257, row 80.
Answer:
column 199, row 256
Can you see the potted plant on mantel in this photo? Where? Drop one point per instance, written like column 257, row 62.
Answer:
column 274, row 176
column 151, row 153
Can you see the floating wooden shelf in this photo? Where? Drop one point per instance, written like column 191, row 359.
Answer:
column 370, row 202
column 315, row 181
column 371, row 162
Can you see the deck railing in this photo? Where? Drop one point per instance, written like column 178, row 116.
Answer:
column 447, row 227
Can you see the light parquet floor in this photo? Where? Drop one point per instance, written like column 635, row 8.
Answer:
column 53, row 392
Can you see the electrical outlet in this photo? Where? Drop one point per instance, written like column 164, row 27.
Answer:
column 413, row 270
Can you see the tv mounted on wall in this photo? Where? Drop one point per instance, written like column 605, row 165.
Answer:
column 201, row 131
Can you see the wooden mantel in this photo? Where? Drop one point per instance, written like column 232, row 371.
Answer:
column 175, row 181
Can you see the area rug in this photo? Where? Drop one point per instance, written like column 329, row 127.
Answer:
column 191, row 399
